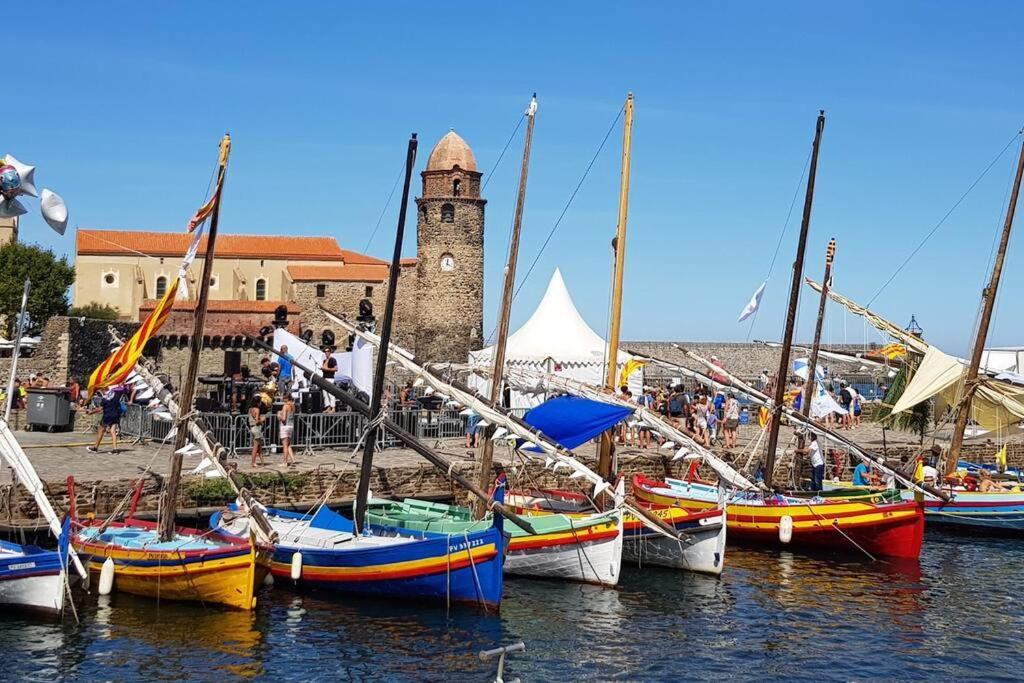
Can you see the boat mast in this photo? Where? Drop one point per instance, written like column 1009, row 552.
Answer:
column 169, row 504
column 794, row 297
column 377, row 409
column 19, row 330
column 605, row 462
column 811, row 387
column 487, row 447
column 988, row 300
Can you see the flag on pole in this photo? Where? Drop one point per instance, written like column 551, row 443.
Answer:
column 206, row 209
column 753, row 304
column 116, row 368
column 630, row 366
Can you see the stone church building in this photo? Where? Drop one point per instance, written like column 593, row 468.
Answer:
column 439, row 314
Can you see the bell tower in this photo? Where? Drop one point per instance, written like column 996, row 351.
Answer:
column 8, row 230
column 450, row 251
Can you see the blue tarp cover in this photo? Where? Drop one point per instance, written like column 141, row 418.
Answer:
column 572, row 421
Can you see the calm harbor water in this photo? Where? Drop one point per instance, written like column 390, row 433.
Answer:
column 957, row 613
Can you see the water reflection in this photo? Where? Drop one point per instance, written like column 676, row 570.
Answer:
column 770, row 614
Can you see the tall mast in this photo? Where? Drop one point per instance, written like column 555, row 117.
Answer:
column 169, row 504
column 605, row 464
column 363, row 491
column 19, row 330
column 794, row 297
column 811, row 387
column 988, row 301
column 487, row 447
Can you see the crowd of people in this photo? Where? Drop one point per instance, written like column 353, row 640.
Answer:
column 709, row 417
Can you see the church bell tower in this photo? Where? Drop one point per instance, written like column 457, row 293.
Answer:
column 450, row 251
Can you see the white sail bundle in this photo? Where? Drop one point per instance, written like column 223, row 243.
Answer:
column 526, row 377
column 15, row 457
column 811, row 426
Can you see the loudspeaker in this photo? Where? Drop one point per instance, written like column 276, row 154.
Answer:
column 206, row 405
column 312, row 402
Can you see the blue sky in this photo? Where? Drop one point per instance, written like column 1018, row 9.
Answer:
column 121, row 109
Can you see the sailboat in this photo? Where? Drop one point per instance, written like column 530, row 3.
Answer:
column 30, row 577
column 162, row 560
column 325, row 550
column 774, row 518
column 990, row 401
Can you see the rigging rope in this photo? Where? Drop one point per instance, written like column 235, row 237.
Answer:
column 782, row 234
column 387, row 203
column 948, row 213
column 565, row 209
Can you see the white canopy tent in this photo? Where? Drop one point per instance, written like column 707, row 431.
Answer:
column 556, row 339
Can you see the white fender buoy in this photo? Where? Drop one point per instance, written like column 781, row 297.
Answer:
column 268, row 580
column 296, row 566
column 786, row 529
column 106, row 577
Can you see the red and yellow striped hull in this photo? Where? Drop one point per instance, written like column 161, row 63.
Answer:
column 889, row 530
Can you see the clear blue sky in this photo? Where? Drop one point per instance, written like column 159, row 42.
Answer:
column 121, row 108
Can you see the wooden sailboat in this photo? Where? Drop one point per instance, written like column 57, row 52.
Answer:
column 855, row 527
column 327, row 551
column 30, row 577
column 163, row 560
column 560, row 541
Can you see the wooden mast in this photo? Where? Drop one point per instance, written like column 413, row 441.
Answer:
column 487, row 447
column 794, row 297
column 988, row 300
column 169, row 503
column 811, row 387
column 605, row 462
column 377, row 410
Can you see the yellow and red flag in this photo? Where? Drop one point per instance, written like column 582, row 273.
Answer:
column 116, row 368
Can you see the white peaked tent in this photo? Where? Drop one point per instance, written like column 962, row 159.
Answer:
column 558, row 340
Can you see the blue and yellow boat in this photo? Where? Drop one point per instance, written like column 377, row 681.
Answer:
column 323, row 551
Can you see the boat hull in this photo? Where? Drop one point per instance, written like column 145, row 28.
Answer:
column 703, row 552
column 996, row 512
column 31, row 579
column 882, row 530
column 591, row 554
column 228, row 575
column 385, row 563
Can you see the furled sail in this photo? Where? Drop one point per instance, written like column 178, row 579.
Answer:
column 995, row 404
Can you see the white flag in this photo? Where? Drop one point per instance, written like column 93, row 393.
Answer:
column 753, row 304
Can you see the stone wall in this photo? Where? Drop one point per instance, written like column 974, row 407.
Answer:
column 746, row 360
column 68, row 347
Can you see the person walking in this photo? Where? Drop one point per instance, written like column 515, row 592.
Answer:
column 286, row 416
column 732, row 420
column 110, row 420
column 255, row 421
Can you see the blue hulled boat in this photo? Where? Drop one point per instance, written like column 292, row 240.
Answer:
column 323, row 551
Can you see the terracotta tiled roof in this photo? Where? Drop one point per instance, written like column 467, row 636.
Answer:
column 355, row 258
column 409, row 261
column 293, row 248
column 347, row 273
column 226, row 306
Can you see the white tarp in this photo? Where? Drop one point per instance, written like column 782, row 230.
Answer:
column 557, row 340
column 355, row 366
column 994, row 406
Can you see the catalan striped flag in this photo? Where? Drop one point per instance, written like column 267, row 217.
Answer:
column 116, row 368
